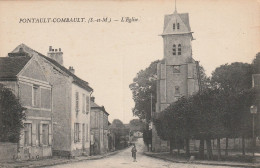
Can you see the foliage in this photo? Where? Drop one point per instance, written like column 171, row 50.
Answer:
column 136, row 125
column 233, row 78
column 144, row 84
column 120, row 133
column 256, row 64
column 11, row 116
column 221, row 109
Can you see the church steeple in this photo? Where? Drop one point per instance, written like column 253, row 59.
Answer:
column 175, row 11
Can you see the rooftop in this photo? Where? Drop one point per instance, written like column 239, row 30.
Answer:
column 76, row 79
column 11, row 66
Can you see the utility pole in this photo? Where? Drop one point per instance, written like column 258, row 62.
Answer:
column 151, row 122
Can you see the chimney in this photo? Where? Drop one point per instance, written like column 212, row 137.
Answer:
column 71, row 69
column 56, row 55
column 92, row 99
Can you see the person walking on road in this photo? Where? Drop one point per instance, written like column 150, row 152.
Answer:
column 134, row 152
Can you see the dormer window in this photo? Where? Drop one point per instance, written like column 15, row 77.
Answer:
column 178, row 25
column 173, row 26
column 174, row 49
column 179, row 49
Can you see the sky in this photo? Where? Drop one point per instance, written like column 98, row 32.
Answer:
column 109, row 55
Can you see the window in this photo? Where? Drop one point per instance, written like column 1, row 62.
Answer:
column 77, row 102
column 173, row 26
column 177, row 90
column 87, row 105
column 27, row 134
column 179, row 49
column 45, row 134
column 96, row 119
column 83, row 103
column 87, row 132
column 178, row 25
column 76, row 132
column 176, row 69
column 36, row 96
column 174, row 49
column 83, row 132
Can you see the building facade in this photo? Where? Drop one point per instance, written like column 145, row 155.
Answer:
column 21, row 73
column 99, row 128
column 70, row 102
column 177, row 71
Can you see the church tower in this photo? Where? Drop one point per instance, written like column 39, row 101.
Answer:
column 177, row 71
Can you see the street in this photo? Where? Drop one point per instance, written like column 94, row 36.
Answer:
column 124, row 160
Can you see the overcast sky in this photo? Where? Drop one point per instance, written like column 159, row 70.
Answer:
column 108, row 55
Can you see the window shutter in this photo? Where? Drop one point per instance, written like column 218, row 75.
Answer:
column 40, row 134
column 79, row 134
column 50, row 134
column 74, row 132
column 87, row 132
column 77, row 102
column 87, row 105
column 34, row 134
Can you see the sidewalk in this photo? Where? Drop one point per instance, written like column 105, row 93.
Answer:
column 203, row 162
column 53, row 161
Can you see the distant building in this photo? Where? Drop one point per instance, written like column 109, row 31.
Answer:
column 99, row 128
column 71, row 103
column 138, row 134
column 22, row 73
column 177, row 72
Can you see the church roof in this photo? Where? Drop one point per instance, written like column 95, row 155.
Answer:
column 174, row 19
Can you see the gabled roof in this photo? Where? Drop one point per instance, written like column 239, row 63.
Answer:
column 76, row 79
column 181, row 18
column 11, row 66
column 93, row 105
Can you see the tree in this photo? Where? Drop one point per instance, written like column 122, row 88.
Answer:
column 136, row 125
column 256, row 64
column 144, row 84
column 121, row 132
column 11, row 116
column 233, row 79
column 144, row 92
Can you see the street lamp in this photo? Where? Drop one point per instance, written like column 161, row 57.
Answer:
column 253, row 111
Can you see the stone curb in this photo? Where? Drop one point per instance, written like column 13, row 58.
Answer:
column 68, row 160
column 203, row 163
column 84, row 159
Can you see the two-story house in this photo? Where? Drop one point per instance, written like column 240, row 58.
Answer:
column 21, row 72
column 99, row 127
column 71, row 103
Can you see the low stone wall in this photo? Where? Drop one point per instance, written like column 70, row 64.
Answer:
column 8, row 151
column 34, row 152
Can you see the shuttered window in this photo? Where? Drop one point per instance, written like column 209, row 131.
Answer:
column 83, row 104
column 27, row 134
column 77, row 102
column 87, row 105
column 76, row 132
column 45, row 134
